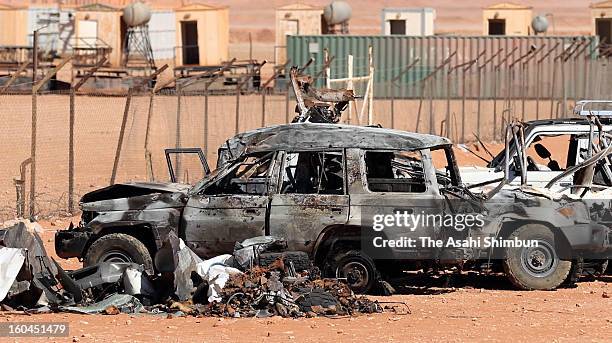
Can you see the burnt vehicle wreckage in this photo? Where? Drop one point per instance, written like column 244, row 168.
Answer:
column 320, row 186
column 241, row 284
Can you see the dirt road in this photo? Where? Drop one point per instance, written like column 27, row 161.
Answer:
column 453, row 315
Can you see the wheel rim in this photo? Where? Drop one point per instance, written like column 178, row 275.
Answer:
column 116, row 256
column 356, row 274
column 540, row 261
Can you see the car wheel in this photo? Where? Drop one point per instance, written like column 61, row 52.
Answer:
column 119, row 247
column 535, row 267
column 358, row 269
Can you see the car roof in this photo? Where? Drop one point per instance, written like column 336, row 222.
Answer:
column 568, row 121
column 315, row 136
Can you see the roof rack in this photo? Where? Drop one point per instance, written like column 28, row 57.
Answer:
column 587, row 108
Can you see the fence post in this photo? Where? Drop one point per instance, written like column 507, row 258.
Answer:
column 206, row 121
column 179, row 93
column 126, row 111
column 263, row 108
column 287, row 104
column 148, row 160
column 71, row 154
column 35, row 88
column 73, row 91
column 33, row 159
column 237, row 127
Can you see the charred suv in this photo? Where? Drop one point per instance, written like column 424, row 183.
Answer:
column 318, row 186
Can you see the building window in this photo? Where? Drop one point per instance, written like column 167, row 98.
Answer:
column 397, row 27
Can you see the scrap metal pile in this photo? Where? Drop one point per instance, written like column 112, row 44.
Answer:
column 258, row 279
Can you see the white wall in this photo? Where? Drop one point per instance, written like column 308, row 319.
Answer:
column 419, row 21
column 59, row 35
column 162, row 31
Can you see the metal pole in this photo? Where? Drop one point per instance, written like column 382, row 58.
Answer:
column 237, row 128
column 432, row 115
column 33, row 132
column 349, row 85
column 421, row 95
column 263, row 108
column 448, row 91
column 71, row 153
column 206, row 122
column 148, row 160
column 33, row 158
column 563, row 84
column 392, row 106
column 179, row 93
column 393, row 85
column 552, row 87
column 126, row 111
column 34, row 56
column 499, row 79
column 539, row 74
column 463, row 90
column 287, row 105
column 480, row 68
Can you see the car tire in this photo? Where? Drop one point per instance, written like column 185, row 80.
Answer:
column 119, row 247
column 358, row 269
column 300, row 259
column 535, row 268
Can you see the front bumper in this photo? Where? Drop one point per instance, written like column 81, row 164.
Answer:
column 71, row 242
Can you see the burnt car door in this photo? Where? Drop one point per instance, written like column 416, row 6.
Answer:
column 184, row 167
column 230, row 207
column 402, row 185
column 311, row 195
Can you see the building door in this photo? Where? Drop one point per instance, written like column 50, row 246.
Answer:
column 88, row 33
column 397, row 27
column 191, row 51
column 603, row 29
column 497, row 27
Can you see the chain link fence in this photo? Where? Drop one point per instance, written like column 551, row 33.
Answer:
column 123, row 137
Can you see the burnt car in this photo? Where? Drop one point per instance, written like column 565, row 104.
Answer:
column 319, row 186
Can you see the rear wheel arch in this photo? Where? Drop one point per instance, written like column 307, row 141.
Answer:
column 561, row 242
column 332, row 238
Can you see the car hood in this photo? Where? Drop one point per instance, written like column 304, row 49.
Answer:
column 133, row 189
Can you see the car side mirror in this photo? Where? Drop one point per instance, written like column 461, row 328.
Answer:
column 542, row 151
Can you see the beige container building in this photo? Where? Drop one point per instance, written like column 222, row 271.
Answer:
column 99, row 25
column 296, row 19
column 507, row 19
column 13, row 25
column 601, row 20
column 408, row 21
column 202, row 35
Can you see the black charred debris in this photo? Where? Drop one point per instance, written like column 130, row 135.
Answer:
column 258, row 280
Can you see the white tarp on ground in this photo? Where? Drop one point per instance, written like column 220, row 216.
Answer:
column 11, row 261
column 216, row 271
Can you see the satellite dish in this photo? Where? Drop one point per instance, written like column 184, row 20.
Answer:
column 539, row 24
column 337, row 12
column 136, row 14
